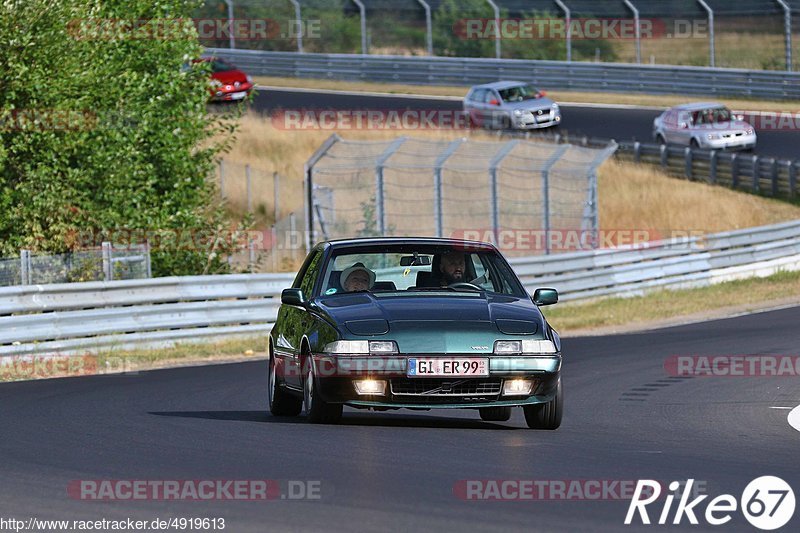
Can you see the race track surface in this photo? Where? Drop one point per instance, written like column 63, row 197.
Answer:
column 626, row 419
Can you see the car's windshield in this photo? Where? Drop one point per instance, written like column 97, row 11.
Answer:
column 217, row 65
column 712, row 115
column 419, row 268
column 519, row 93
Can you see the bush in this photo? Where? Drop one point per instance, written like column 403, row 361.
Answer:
column 123, row 138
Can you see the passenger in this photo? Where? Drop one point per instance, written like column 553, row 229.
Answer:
column 357, row 278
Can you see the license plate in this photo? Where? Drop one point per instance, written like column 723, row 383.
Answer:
column 239, row 96
column 420, row 367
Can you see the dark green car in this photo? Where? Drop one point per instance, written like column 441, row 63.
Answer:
column 414, row 323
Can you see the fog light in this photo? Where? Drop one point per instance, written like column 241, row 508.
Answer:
column 370, row 386
column 517, row 387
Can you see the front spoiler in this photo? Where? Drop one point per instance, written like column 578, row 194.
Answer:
column 472, row 405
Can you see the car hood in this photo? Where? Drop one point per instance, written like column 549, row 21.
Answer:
column 534, row 105
column 420, row 323
column 229, row 77
column 734, row 125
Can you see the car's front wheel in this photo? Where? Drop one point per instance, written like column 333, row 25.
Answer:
column 280, row 402
column 546, row 415
column 318, row 411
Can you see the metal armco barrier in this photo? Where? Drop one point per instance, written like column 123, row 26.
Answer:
column 737, row 170
column 556, row 75
column 81, row 317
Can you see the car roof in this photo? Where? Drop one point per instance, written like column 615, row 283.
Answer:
column 500, row 85
column 372, row 241
column 696, row 106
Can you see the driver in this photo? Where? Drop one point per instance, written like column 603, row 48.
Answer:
column 452, row 268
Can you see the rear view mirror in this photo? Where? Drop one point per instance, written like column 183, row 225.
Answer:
column 411, row 260
column 545, row 296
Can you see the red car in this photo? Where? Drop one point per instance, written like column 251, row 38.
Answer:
column 228, row 83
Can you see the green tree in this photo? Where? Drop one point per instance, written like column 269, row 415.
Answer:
column 104, row 126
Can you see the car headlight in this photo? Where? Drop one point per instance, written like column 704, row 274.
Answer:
column 518, row 112
column 249, row 79
column 360, row 347
column 525, row 347
column 749, row 131
column 216, row 83
column 555, row 107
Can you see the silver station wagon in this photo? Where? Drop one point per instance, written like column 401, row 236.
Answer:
column 511, row 105
column 704, row 125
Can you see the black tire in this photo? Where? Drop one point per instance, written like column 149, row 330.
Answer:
column 281, row 403
column 546, row 415
column 660, row 139
column 693, row 144
column 495, row 414
column 318, row 411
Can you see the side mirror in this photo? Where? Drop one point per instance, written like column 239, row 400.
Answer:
column 545, row 296
column 293, row 297
column 683, row 125
column 542, row 94
column 494, row 101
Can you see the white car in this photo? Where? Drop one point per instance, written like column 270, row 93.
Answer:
column 704, row 125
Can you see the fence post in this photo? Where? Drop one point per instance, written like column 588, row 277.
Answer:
column 25, row 267
column 108, row 265
column 664, row 156
column 756, row 174
column 249, row 189
column 363, row 12
column 792, row 178
column 787, row 28
column 637, row 152
column 299, row 21
column 712, row 167
column 567, row 20
column 231, row 38
column 712, row 52
column 687, row 155
column 638, row 31
column 428, row 26
column 496, row 11
column 252, row 256
column 734, row 171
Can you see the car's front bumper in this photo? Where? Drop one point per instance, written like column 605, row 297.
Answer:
column 534, row 121
column 336, row 375
column 744, row 142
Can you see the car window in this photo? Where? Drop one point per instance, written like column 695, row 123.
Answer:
column 305, row 280
column 418, row 268
column 519, row 93
column 490, row 95
column 478, row 95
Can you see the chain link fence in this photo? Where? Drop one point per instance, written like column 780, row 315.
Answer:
column 106, row 263
column 479, row 190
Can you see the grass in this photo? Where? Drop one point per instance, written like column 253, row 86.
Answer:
column 631, row 196
column 579, row 97
column 17, row 368
column 670, row 305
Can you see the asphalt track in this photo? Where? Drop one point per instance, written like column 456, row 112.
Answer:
column 626, row 419
column 604, row 122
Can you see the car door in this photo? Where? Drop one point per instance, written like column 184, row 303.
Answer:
column 297, row 321
column 475, row 106
column 684, row 128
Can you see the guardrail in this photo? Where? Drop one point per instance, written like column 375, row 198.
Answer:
column 81, row 317
column 557, row 75
column 757, row 174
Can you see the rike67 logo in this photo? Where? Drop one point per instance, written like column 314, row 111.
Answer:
column 767, row 503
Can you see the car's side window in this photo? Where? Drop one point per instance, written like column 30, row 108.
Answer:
column 490, row 95
column 478, row 95
column 310, row 275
